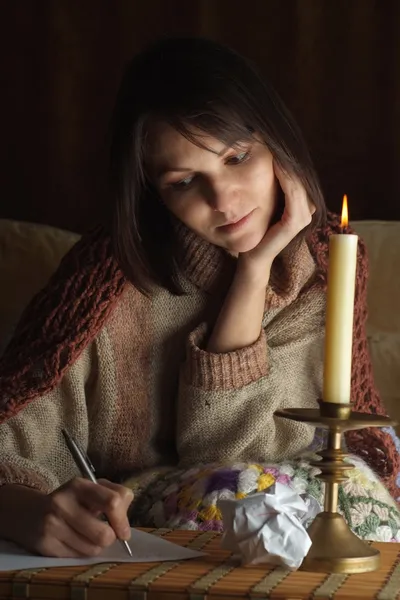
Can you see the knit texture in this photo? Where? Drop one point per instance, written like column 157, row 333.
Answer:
column 67, row 316
column 60, row 322
column 141, row 393
column 189, row 499
column 207, row 370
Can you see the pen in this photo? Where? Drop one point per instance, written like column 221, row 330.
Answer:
column 87, row 470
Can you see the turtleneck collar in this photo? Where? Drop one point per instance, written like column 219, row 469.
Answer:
column 208, row 266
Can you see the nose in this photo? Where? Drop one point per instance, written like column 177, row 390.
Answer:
column 222, row 195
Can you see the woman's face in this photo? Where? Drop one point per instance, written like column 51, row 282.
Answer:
column 226, row 195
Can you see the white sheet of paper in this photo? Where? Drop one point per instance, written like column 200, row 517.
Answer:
column 145, row 548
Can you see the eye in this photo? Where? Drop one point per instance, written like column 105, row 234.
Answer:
column 183, row 183
column 239, row 158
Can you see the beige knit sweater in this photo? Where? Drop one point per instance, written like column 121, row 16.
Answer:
column 146, row 393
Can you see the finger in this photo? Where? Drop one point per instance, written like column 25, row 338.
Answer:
column 76, row 543
column 66, row 508
column 293, row 189
column 57, row 549
column 126, row 495
column 51, row 546
column 61, row 550
column 288, row 182
column 57, row 531
column 108, row 499
column 89, row 526
column 125, row 492
column 71, row 548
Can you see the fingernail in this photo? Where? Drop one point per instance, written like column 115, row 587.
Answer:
column 126, row 533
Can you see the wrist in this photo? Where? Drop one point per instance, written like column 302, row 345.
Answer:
column 251, row 274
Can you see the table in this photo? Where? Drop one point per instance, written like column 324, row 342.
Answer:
column 212, row 577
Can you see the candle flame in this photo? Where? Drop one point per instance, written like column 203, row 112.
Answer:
column 345, row 213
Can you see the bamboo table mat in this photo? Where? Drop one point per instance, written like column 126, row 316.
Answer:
column 212, row 577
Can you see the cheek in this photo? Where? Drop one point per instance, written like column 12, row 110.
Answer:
column 188, row 209
column 263, row 178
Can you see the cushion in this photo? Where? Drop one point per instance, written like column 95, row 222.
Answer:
column 29, row 254
column 383, row 244
column 188, row 499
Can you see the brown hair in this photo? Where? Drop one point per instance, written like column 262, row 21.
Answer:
column 186, row 82
column 192, row 84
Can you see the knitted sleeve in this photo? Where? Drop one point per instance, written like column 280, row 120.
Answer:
column 376, row 446
column 33, row 451
column 226, row 401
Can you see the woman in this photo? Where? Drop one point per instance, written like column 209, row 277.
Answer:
column 174, row 338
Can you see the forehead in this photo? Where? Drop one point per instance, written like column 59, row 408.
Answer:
column 166, row 147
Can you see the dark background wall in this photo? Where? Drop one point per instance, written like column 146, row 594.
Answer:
column 335, row 62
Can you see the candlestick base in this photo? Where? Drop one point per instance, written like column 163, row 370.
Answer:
column 335, row 548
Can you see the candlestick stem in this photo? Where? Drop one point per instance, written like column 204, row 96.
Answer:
column 335, row 548
column 331, row 497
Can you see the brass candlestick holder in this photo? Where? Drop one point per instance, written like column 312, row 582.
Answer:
column 335, row 548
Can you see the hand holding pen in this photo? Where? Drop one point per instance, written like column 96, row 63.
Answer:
column 65, row 523
column 87, row 470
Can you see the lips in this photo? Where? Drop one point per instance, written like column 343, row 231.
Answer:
column 237, row 224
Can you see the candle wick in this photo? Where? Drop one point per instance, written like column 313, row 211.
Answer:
column 344, row 229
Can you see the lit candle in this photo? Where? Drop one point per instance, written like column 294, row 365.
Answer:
column 339, row 313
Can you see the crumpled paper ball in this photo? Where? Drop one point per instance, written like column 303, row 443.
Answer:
column 268, row 527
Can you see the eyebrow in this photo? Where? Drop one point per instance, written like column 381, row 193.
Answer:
column 164, row 169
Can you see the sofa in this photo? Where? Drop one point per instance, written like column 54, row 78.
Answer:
column 29, row 253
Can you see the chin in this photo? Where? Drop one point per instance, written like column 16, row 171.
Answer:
column 245, row 243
